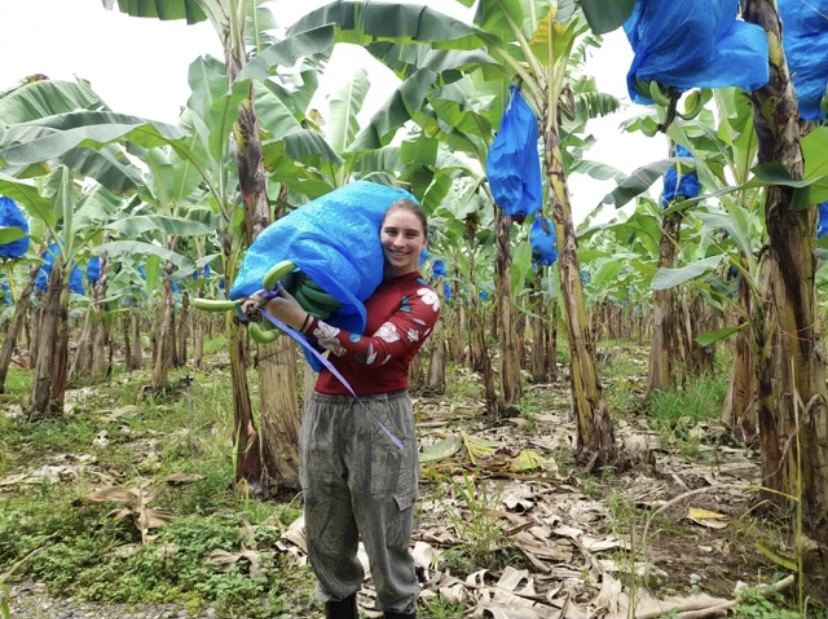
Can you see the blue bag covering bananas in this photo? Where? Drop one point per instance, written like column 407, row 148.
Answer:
column 693, row 44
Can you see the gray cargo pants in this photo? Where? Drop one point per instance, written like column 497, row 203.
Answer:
column 356, row 482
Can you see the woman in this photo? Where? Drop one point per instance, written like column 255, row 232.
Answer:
column 355, row 480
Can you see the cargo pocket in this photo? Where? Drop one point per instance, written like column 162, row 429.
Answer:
column 401, row 522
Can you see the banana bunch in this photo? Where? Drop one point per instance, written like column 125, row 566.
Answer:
column 667, row 97
column 307, row 293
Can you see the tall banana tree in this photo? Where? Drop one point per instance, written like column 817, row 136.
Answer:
column 241, row 26
column 790, row 372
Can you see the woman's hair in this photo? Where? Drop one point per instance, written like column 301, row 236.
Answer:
column 404, row 204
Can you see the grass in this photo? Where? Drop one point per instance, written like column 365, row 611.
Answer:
column 76, row 549
column 675, row 414
column 53, row 535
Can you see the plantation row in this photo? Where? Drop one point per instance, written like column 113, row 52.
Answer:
column 487, row 123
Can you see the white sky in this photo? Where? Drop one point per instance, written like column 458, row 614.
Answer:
column 139, row 67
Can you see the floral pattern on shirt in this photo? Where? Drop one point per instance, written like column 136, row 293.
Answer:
column 388, row 332
column 326, row 334
column 430, row 298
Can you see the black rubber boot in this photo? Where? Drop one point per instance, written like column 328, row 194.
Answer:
column 343, row 609
column 392, row 615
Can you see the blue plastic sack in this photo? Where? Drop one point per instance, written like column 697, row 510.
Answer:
column 687, row 187
column 206, row 272
column 805, row 39
column 42, row 281
column 513, row 163
column 93, row 270
column 10, row 216
column 334, row 239
column 438, row 269
column 822, row 220
column 694, row 44
column 446, row 292
column 544, row 242
column 6, row 292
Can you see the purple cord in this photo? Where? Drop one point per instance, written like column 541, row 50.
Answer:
column 268, row 294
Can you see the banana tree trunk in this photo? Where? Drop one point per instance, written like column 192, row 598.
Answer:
column 183, row 328
column 664, row 346
column 123, row 323
column 280, row 418
column 14, row 328
column 455, row 324
column 596, row 437
column 198, row 336
column 102, row 349
column 538, row 330
column 436, row 384
column 247, row 453
column 739, row 411
column 463, row 351
column 50, row 329
column 551, row 342
column 136, row 357
column 279, row 412
column 793, row 404
column 698, row 319
column 416, row 378
column 481, row 362
column 82, row 361
column 510, row 387
column 164, row 356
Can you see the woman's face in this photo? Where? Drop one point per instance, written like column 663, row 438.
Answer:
column 403, row 238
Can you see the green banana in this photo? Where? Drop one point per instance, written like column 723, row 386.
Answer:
column 290, row 281
column 307, row 282
column 648, row 130
column 215, row 305
column 309, row 306
column 321, row 299
column 657, row 95
column 262, row 336
column 277, row 272
column 696, row 103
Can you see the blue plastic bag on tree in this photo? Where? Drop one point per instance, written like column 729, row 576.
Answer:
column 513, row 164
column 822, row 220
column 206, row 272
column 42, row 281
column 334, row 239
column 805, row 39
column 10, row 216
column 694, row 44
column 687, row 186
column 6, row 293
column 438, row 269
column 93, row 270
column 544, row 242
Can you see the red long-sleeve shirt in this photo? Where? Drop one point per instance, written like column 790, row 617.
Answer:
column 400, row 315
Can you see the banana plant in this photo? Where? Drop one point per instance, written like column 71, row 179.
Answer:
column 249, row 56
